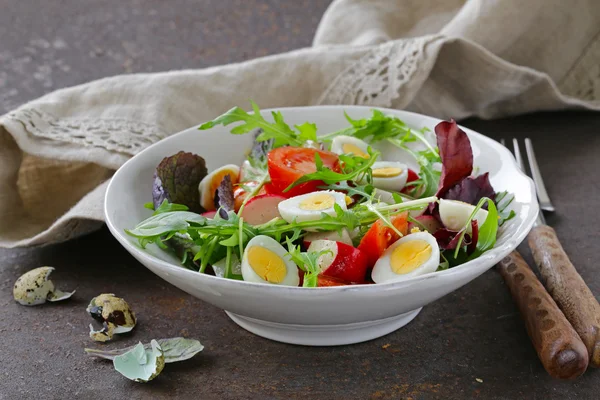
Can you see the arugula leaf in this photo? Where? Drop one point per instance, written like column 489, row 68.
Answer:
column 503, row 201
column 354, row 168
column 365, row 191
column 307, row 262
column 374, row 129
column 307, row 131
column 278, row 130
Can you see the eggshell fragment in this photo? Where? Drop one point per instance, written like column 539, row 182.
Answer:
column 34, row 288
column 141, row 365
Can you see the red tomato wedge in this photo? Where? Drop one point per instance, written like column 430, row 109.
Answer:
column 412, row 176
column 288, row 164
column 270, row 189
column 341, row 261
column 325, row 281
column 379, row 237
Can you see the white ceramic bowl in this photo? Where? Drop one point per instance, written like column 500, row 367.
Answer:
column 311, row 316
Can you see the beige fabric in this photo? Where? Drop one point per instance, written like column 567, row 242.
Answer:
column 447, row 58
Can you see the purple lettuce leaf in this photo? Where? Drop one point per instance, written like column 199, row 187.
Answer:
column 471, row 190
column 224, row 195
column 177, row 178
column 448, row 240
column 456, row 155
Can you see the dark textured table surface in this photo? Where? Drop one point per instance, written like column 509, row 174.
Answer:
column 469, row 344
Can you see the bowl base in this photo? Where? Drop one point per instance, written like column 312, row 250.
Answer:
column 324, row 335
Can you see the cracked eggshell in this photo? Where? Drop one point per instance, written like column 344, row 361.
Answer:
column 141, row 365
column 34, row 288
column 114, row 313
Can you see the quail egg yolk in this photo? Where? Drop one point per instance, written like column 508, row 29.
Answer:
column 317, row 202
column 387, row 172
column 217, row 178
column 349, row 148
column 268, row 265
column 409, row 256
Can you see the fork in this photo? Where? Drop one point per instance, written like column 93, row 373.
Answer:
column 562, row 280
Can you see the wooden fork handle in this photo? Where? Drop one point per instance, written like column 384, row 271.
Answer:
column 558, row 346
column 567, row 288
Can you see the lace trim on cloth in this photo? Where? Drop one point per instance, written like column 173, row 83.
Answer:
column 378, row 77
column 119, row 135
column 583, row 81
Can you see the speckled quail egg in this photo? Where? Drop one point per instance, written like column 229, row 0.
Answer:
column 114, row 313
column 34, row 288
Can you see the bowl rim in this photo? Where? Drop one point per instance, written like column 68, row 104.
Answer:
column 492, row 256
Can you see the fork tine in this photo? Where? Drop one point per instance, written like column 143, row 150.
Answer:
column 502, row 142
column 518, row 156
column 543, row 197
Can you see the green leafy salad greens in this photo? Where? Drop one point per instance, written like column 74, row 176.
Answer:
column 202, row 241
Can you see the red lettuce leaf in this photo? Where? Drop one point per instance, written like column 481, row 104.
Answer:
column 474, row 237
column 448, row 240
column 224, row 195
column 471, row 190
column 456, row 155
column 177, row 178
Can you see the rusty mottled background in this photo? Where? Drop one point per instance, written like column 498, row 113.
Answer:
column 469, row 344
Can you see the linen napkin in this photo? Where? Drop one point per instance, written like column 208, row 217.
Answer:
column 445, row 58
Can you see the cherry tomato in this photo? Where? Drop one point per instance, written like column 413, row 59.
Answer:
column 288, row 164
column 379, row 237
column 412, row 176
column 270, row 189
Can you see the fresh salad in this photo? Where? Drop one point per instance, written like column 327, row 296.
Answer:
column 326, row 210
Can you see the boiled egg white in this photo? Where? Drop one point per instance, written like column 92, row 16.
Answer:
column 414, row 254
column 342, row 236
column 389, row 175
column 455, row 214
column 266, row 261
column 208, row 186
column 349, row 145
column 310, row 206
